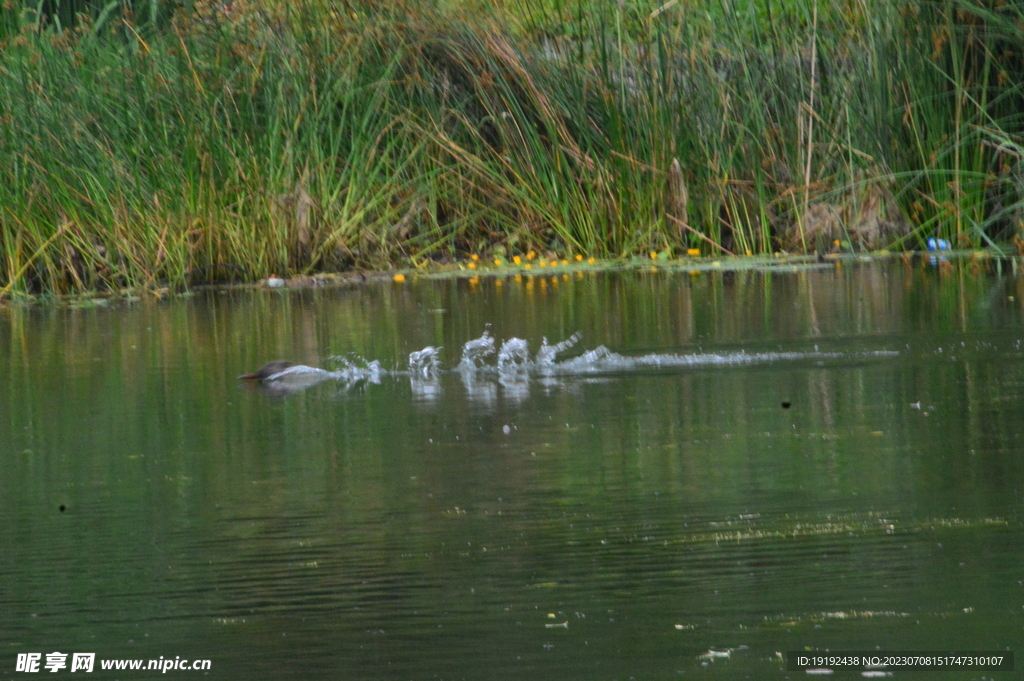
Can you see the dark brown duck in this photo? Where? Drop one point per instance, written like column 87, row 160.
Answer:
column 267, row 370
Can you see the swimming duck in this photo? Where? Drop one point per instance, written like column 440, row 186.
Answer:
column 267, row 370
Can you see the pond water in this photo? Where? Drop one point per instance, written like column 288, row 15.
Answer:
column 760, row 462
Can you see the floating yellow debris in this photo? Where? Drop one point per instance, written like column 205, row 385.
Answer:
column 693, row 252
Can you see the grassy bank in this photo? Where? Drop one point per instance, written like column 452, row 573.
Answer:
column 164, row 144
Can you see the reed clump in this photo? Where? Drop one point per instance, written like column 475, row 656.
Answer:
column 155, row 144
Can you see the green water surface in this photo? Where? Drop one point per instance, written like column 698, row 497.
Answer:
column 862, row 491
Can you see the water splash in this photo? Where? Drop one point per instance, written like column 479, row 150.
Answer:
column 514, row 356
column 547, row 353
column 474, row 352
column 425, row 363
column 352, row 373
column 424, row 368
column 602, row 359
column 515, row 371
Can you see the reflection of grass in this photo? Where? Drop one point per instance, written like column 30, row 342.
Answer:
column 243, row 139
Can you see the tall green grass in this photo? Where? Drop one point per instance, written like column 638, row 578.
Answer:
column 151, row 144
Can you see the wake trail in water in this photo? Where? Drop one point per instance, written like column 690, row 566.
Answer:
column 515, row 366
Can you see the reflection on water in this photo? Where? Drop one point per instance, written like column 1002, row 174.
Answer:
column 706, row 472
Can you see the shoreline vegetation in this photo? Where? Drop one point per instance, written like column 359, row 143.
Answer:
column 151, row 144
